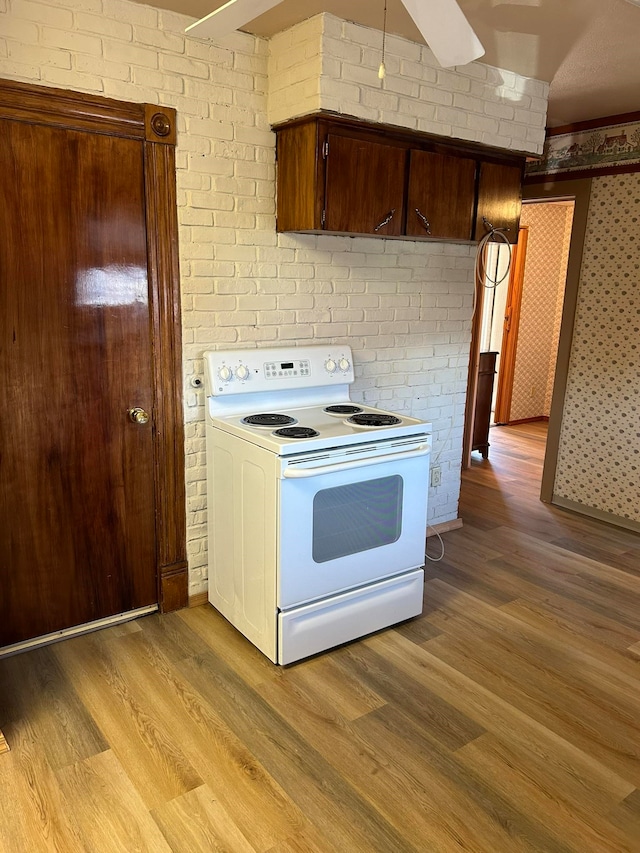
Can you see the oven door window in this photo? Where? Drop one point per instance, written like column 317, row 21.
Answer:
column 356, row 517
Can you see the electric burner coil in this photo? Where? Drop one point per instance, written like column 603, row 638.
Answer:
column 268, row 419
column 374, row 419
column 296, row 432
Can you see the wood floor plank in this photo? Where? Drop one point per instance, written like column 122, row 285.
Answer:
column 197, row 822
column 445, row 723
column 576, row 618
column 626, row 816
column 473, row 698
column 604, row 553
column 603, row 597
column 431, row 809
column 472, row 812
column 223, row 638
column 350, row 697
column 106, row 810
column 504, row 719
column 408, row 805
column 472, row 576
column 541, row 697
column 44, row 695
column 149, row 752
column 33, row 814
column 520, row 780
column 615, row 664
column 580, row 666
column 247, row 793
column 346, row 819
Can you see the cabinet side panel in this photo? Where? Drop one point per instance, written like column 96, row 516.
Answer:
column 296, row 178
column 499, row 199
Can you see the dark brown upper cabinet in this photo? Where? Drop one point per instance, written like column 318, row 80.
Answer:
column 343, row 176
column 441, row 196
column 364, row 191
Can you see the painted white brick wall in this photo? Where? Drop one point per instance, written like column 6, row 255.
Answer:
column 404, row 306
column 473, row 102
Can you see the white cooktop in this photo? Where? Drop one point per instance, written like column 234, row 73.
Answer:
column 298, row 382
column 332, row 431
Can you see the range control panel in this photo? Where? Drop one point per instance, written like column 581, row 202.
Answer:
column 280, row 369
column 244, row 371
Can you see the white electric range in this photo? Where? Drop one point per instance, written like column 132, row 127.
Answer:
column 317, row 505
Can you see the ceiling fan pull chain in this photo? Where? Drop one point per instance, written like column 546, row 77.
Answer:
column 382, row 70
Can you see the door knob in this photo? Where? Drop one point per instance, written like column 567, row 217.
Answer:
column 138, row 415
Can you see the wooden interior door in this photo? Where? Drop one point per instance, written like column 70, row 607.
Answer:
column 76, row 474
column 511, row 327
column 364, row 187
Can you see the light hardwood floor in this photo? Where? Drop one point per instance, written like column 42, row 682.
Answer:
column 505, row 718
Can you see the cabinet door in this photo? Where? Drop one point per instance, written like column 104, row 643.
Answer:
column 441, row 196
column 364, row 190
column 499, row 199
column 299, row 202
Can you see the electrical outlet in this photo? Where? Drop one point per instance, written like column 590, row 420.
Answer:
column 436, row 476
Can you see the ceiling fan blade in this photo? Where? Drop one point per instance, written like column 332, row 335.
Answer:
column 230, row 17
column 445, row 30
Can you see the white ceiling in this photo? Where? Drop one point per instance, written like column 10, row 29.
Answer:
column 588, row 50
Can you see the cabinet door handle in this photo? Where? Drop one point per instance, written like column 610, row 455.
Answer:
column 386, row 220
column 424, row 220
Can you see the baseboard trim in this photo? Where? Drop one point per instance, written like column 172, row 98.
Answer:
column 76, row 631
column 597, row 514
column 444, row 526
column 198, row 599
column 539, row 419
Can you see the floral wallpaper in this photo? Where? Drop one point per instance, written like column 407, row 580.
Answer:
column 599, row 454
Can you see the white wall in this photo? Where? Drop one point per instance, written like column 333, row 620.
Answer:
column 473, row 102
column 405, row 307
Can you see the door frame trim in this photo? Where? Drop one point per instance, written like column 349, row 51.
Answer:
column 579, row 191
column 155, row 127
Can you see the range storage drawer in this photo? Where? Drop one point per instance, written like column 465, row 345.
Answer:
column 324, row 624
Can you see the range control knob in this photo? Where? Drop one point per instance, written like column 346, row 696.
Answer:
column 225, row 373
column 330, row 365
column 242, row 372
column 344, row 364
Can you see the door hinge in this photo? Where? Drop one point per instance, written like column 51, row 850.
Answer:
column 323, row 217
column 325, row 150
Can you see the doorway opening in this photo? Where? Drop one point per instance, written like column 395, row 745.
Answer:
column 520, row 324
column 522, row 320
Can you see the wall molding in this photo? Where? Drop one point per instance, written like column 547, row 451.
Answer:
column 597, row 514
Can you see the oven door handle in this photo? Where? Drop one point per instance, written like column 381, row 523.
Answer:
column 296, row 473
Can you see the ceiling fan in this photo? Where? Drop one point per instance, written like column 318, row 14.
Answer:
column 441, row 23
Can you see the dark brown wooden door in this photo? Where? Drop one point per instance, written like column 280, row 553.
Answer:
column 364, row 187
column 77, row 540
column 441, row 196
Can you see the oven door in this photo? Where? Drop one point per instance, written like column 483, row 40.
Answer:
column 350, row 517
